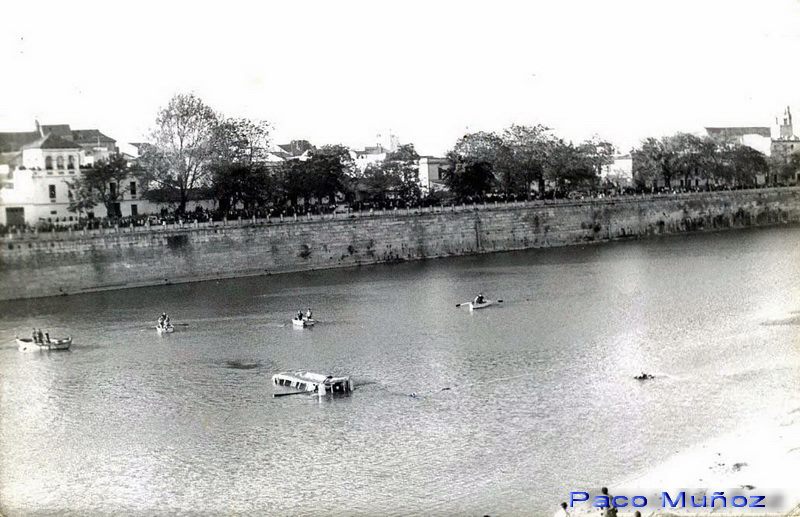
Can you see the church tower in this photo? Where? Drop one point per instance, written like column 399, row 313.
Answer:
column 786, row 130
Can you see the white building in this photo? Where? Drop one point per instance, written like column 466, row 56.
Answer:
column 377, row 153
column 431, row 170
column 37, row 166
column 620, row 171
column 757, row 137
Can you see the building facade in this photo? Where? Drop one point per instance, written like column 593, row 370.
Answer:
column 786, row 145
column 431, row 172
column 37, row 167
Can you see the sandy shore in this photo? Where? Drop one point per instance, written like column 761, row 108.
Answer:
column 759, row 459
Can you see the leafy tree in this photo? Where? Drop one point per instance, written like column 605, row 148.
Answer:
column 240, row 140
column 328, row 171
column 397, row 174
column 655, row 159
column 478, row 147
column 469, row 179
column 106, row 183
column 177, row 159
column 522, row 157
column 748, row 164
column 238, row 169
column 472, row 164
column 570, row 165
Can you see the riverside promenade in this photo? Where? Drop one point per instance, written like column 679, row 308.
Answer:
column 188, row 223
column 69, row 262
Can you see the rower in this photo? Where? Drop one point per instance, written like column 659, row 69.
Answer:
column 308, row 313
column 479, row 299
column 299, row 315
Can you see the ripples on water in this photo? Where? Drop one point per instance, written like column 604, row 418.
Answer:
column 515, row 405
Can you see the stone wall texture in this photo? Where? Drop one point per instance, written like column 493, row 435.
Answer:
column 53, row 264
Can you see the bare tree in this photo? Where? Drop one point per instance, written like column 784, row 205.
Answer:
column 181, row 147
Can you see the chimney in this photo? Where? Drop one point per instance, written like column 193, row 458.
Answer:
column 38, row 127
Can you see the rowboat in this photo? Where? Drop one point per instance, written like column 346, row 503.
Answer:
column 169, row 329
column 27, row 344
column 308, row 382
column 474, row 306
column 305, row 322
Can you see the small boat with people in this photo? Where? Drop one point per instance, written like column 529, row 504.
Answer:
column 479, row 302
column 165, row 329
column 303, row 320
column 309, row 382
column 42, row 341
column 164, row 326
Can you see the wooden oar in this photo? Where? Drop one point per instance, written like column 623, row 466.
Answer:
column 276, row 395
column 467, row 303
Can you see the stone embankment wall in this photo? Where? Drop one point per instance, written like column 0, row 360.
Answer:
column 69, row 263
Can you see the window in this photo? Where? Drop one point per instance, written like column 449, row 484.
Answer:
column 60, row 162
column 48, row 162
column 53, row 212
column 70, row 162
column 133, row 188
column 52, row 191
column 134, row 210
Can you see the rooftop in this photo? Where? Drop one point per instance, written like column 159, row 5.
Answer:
column 62, row 134
column 51, row 141
column 739, row 131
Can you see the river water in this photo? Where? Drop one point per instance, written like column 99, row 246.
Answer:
column 516, row 404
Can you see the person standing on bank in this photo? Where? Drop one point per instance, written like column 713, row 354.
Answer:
column 562, row 512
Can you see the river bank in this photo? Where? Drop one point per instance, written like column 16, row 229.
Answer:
column 41, row 265
column 758, row 459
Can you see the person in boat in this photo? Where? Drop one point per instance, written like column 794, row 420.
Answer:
column 35, row 336
column 299, row 315
column 46, row 337
column 479, row 299
column 161, row 319
column 308, row 313
column 40, row 335
column 166, row 320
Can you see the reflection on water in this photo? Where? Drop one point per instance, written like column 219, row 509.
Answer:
column 514, row 405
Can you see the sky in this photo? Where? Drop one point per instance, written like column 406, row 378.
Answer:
column 346, row 71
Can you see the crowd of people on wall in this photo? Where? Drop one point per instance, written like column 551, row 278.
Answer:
column 203, row 215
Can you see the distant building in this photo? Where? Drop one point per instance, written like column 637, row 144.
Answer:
column 377, row 153
column 294, row 150
column 368, row 156
column 431, row 170
column 620, row 172
column 37, row 166
column 757, row 137
column 786, row 144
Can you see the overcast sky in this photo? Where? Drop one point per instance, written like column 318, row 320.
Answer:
column 344, row 71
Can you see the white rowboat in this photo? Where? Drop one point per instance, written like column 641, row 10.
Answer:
column 169, row 329
column 27, row 344
column 305, row 322
column 474, row 306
